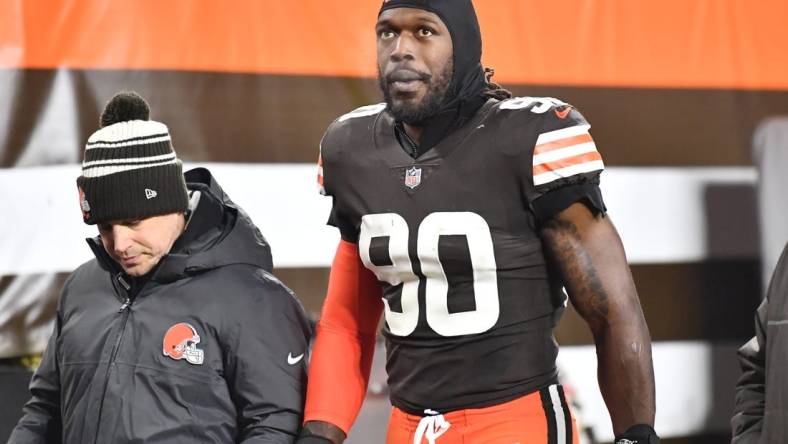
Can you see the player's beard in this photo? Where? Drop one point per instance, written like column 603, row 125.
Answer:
column 432, row 102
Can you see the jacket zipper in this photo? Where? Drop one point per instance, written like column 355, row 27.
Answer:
column 124, row 309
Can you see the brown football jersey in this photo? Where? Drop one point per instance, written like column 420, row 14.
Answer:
column 452, row 236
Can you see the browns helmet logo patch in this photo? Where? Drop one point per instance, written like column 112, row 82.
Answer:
column 180, row 342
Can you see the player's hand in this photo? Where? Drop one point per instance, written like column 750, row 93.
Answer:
column 314, row 440
column 638, row 434
column 320, row 432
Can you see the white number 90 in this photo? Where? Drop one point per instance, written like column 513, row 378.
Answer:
column 400, row 271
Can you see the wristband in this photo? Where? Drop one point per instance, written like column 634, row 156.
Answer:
column 638, row 434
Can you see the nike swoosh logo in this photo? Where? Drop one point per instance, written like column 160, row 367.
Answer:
column 563, row 113
column 293, row 360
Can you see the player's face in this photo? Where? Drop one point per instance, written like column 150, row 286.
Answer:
column 138, row 245
column 414, row 62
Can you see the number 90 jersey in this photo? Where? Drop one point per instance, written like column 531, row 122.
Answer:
column 470, row 304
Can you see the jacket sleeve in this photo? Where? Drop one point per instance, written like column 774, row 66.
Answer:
column 749, row 406
column 41, row 422
column 265, row 365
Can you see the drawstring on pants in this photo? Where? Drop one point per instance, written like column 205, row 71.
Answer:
column 431, row 427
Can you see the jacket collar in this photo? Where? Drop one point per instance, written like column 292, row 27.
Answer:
column 235, row 239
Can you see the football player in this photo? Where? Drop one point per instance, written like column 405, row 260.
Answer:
column 464, row 213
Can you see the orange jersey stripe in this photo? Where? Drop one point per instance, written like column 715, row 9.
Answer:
column 569, row 161
column 563, row 143
column 320, row 170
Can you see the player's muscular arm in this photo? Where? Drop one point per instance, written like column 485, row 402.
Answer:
column 588, row 253
column 343, row 350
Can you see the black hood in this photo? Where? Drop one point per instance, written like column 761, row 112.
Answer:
column 233, row 239
column 465, row 94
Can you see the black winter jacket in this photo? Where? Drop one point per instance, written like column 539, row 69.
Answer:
column 760, row 414
column 125, row 363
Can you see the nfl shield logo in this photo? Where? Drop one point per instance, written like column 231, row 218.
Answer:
column 412, row 177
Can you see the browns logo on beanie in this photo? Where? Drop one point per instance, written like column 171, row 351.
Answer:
column 130, row 170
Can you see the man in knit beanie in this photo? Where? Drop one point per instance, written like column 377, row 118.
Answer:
column 132, row 186
column 176, row 332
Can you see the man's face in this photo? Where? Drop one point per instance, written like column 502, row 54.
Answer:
column 414, row 62
column 138, row 245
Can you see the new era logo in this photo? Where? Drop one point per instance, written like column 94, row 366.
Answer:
column 150, row 194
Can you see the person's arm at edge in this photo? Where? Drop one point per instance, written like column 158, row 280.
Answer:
column 748, row 410
column 750, row 402
column 343, row 348
column 262, row 341
column 41, row 422
column 590, row 257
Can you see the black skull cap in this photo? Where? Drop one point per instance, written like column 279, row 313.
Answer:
column 459, row 16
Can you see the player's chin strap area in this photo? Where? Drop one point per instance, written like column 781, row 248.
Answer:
column 431, row 427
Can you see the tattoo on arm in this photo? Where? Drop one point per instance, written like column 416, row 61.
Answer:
column 566, row 251
column 587, row 253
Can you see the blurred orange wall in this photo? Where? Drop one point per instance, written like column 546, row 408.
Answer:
column 668, row 43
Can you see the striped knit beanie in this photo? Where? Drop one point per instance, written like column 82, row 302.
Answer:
column 130, row 170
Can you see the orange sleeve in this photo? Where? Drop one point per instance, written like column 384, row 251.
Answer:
column 342, row 353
